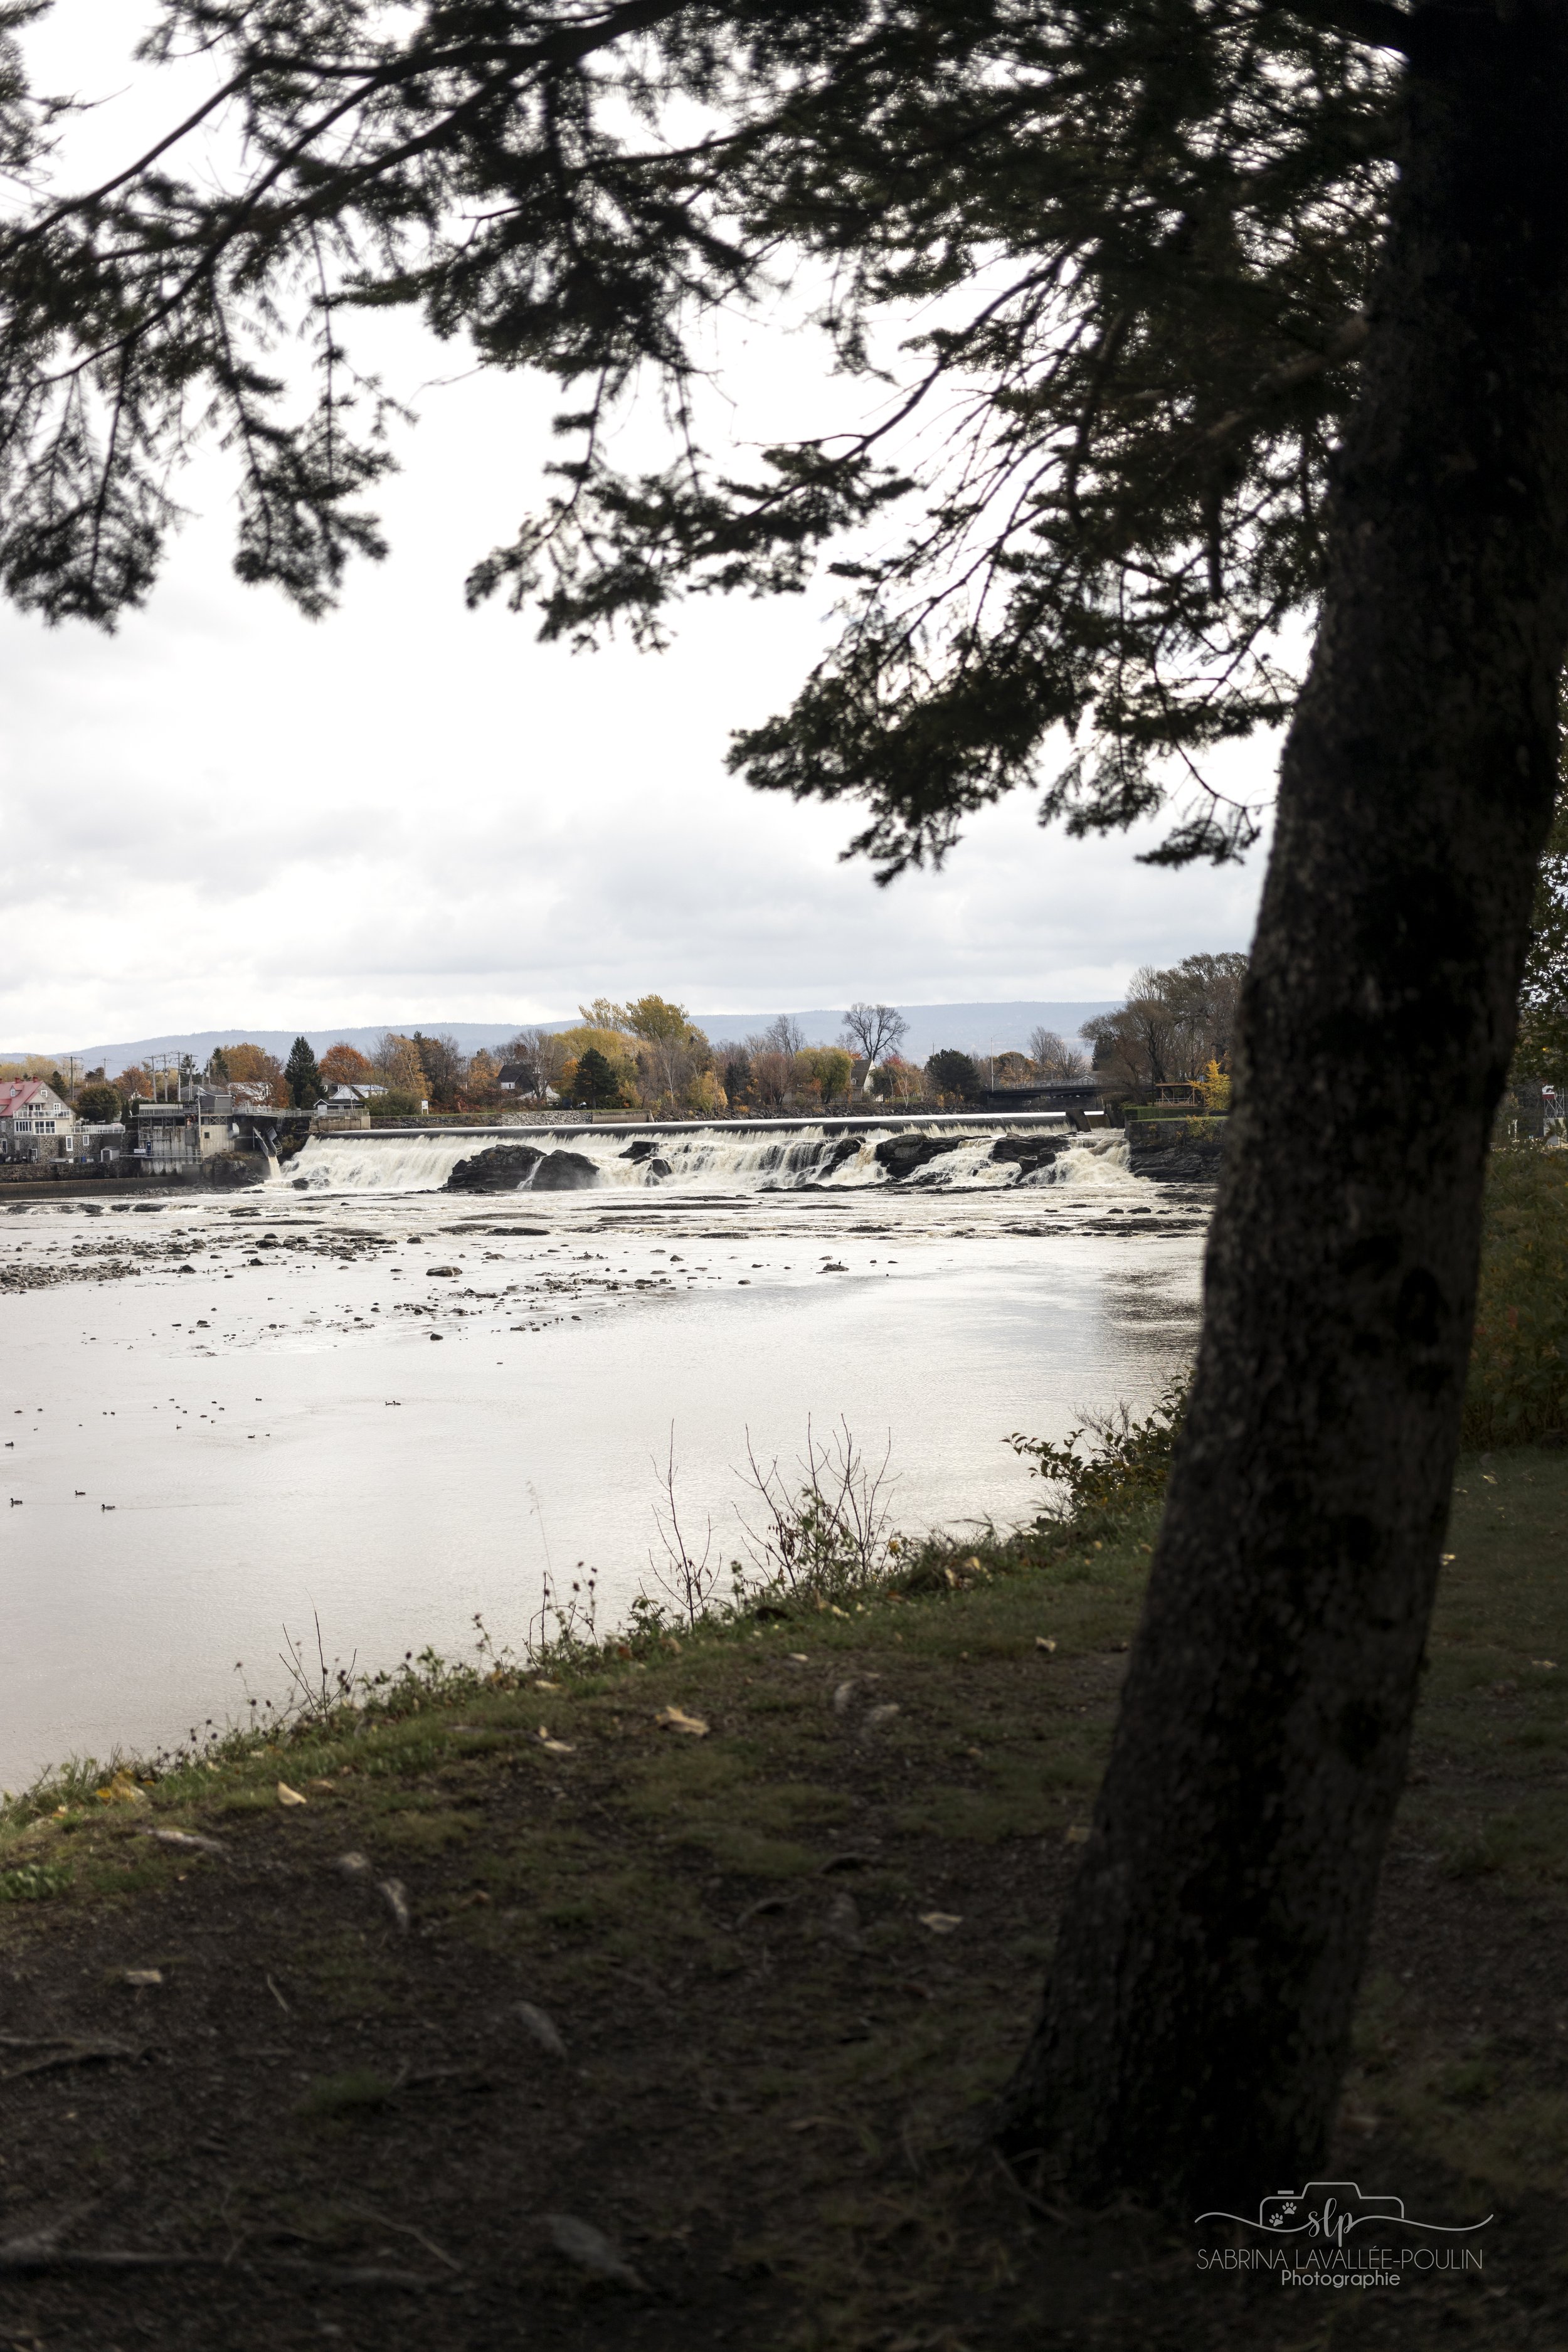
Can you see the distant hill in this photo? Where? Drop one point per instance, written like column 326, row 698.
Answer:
column 970, row 1028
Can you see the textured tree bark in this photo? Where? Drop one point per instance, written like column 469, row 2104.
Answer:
column 1197, row 2014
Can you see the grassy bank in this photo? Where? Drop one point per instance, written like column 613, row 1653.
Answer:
column 783, row 1889
column 642, row 1993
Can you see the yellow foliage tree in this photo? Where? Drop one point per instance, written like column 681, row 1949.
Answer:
column 706, row 1096
column 1214, row 1088
column 824, row 1069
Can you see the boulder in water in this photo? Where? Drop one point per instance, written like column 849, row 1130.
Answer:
column 900, row 1155
column 1030, row 1151
column 501, row 1169
column 643, row 1149
column 564, row 1171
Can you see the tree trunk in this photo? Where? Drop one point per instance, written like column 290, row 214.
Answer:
column 1197, row 2014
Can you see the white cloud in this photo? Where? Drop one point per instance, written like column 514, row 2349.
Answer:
column 224, row 813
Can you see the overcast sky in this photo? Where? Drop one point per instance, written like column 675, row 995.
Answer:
column 224, row 813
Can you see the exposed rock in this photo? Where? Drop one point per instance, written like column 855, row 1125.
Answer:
column 900, row 1155
column 1030, row 1151
column 564, row 1171
column 1177, row 1150
column 642, row 1149
column 503, row 1168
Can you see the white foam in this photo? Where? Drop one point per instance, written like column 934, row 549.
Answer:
column 707, row 1159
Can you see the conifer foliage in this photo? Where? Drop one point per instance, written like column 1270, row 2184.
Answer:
column 1102, row 269
column 305, row 1082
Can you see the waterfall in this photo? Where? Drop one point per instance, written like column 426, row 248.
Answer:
column 935, row 1157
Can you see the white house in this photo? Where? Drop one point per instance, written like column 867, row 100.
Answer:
column 35, row 1123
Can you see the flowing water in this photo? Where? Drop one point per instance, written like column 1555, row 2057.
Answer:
column 727, row 1157
column 354, row 1397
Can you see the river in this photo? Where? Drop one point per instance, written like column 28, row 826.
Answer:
column 351, row 1398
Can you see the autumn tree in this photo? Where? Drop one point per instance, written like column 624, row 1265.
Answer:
column 897, row 1080
column 826, row 1070
column 480, row 1089
column 346, row 1065
column 771, row 1074
column 1183, row 325
column 398, row 1065
column 445, row 1065
column 253, row 1066
column 733, row 1065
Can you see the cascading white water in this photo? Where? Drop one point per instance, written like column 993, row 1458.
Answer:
column 707, row 1160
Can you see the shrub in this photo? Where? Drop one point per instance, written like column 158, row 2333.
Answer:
column 1124, row 1472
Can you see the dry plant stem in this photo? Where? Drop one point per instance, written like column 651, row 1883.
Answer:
column 832, row 1532
column 688, row 1578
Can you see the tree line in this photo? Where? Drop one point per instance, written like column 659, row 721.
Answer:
column 649, row 1055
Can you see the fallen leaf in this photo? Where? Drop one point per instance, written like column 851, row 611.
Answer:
column 353, row 1865
column 844, row 1920
column 880, row 1715
column 554, row 1747
column 141, row 1976
column 186, row 1842
column 1548, row 1665
column 675, row 1718
column 1077, row 1833
column 942, row 1923
column 842, row 1697
column 287, row 1796
column 1043, row 1642
column 542, row 2028
column 394, row 1895
column 589, row 2248
column 121, row 1790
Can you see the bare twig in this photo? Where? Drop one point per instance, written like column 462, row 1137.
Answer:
column 59, row 2051
column 687, row 1577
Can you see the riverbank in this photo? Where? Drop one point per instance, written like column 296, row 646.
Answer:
column 782, row 1891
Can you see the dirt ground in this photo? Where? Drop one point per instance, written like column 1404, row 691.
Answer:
column 666, row 2037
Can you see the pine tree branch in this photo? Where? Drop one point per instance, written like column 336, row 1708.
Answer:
column 1376, row 22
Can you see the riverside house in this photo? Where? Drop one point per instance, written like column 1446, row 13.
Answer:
column 35, row 1123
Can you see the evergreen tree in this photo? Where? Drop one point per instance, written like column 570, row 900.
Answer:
column 303, row 1078
column 596, row 1086
column 950, row 1072
column 1228, row 312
